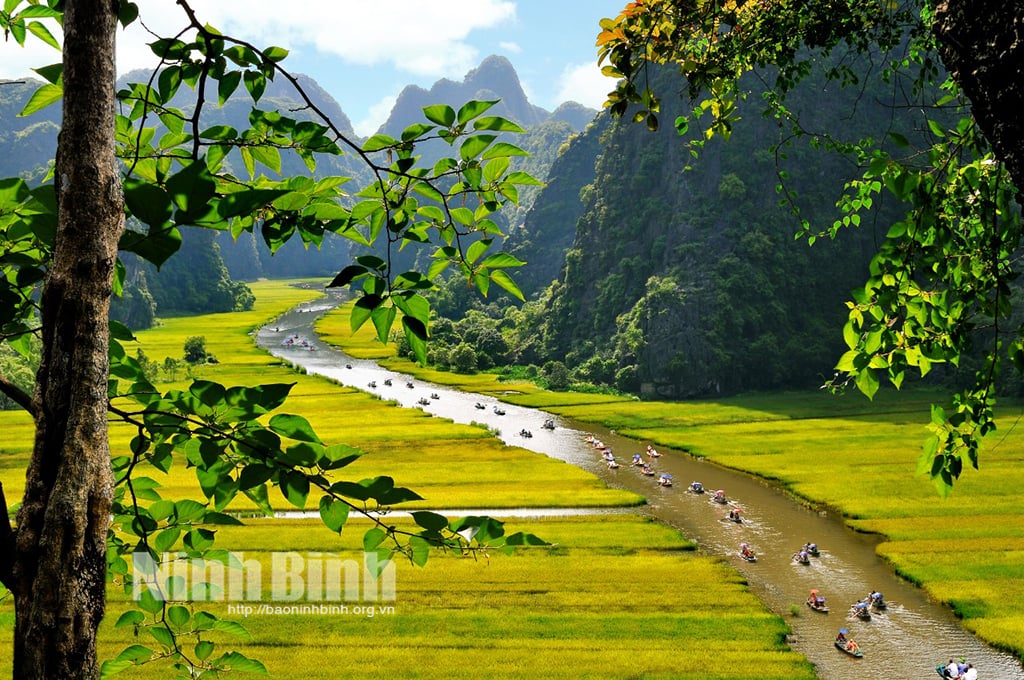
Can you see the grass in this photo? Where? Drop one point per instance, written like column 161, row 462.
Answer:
column 616, row 596
column 842, row 451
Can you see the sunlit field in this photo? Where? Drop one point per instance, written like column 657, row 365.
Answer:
column 858, row 457
column 615, row 595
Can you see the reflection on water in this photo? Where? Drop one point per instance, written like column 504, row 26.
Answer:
column 907, row 640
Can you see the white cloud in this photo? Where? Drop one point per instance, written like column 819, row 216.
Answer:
column 510, row 47
column 375, row 117
column 421, row 40
column 585, row 84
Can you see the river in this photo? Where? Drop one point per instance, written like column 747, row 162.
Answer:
column 905, row 641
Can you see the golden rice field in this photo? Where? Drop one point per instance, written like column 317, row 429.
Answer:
column 856, row 456
column 615, row 596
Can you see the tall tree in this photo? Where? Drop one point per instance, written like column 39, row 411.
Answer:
column 57, row 567
column 82, row 514
column 940, row 284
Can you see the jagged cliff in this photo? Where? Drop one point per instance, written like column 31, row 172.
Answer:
column 689, row 281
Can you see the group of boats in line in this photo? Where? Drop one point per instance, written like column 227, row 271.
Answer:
column 863, row 610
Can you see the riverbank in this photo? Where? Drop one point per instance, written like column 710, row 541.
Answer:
column 616, row 596
column 841, row 452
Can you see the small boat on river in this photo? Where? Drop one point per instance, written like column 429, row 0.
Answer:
column 499, row 411
column 852, row 651
column 423, row 401
column 817, row 602
column 802, row 557
column 860, row 610
column 549, row 424
column 746, row 553
column 696, row 487
column 480, row 406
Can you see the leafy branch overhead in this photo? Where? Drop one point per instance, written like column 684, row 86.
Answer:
column 939, row 289
column 178, row 171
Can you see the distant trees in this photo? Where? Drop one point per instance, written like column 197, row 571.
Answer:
column 195, row 350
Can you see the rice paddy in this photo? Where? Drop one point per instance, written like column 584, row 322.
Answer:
column 614, row 596
column 855, row 456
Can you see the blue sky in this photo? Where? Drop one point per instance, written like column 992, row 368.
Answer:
column 364, row 53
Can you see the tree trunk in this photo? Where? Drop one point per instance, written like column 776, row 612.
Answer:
column 981, row 43
column 59, row 566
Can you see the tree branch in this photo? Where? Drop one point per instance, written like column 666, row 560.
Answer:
column 18, row 396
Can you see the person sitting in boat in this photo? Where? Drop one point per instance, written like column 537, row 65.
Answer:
column 970, row 674
column 841, row 636
column 746, row 551
column 815, row 598
column 651, row 452
column 665, row 479
column 811, row 548
column 719, row 496
column 646, row 470
column 638, row 459
column 952, row 669
column 697, row 487
column 876, row 600
column 612, row 463
column 734, row 515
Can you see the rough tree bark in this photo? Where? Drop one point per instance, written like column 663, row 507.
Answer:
column 58, row 567
column 981, row 43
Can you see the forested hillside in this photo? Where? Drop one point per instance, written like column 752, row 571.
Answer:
column 691, row 280
column 681, row 277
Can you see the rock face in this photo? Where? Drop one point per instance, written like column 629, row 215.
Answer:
column 684, row 273
column 495, row 78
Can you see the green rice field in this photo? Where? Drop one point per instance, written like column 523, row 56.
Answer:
column 613, row 596
column 855, row 456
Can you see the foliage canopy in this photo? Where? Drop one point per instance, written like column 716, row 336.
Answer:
column 939, row 286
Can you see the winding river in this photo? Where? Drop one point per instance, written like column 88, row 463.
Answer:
column 906, row 641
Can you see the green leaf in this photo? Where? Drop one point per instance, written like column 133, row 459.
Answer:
column 378, row 142
column 178, row 616
column 442, row 114
column 294, row 427
column 203, row 649
column 247, row 202
column 373, row 538
column 416, row 334
column 496, row 123
column 148, row 601
column 147, row 202
column 130, row 618
column 295, row 487
column 255, row 83
column 47, row 94
column 474, row 146
column 504, row 149
column 431, row 521
column 227, row 85
column 472, row 109
column 235, row 661
column 334, row 513
column 419, row 550
column 505, row 281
